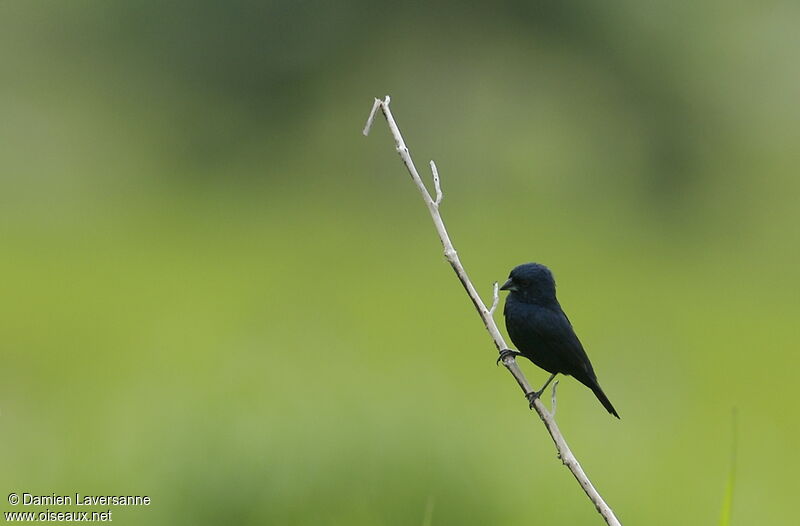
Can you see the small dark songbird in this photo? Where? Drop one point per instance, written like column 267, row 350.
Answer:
column 542, row 332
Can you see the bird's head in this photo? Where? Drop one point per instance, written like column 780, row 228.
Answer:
column 532, row 283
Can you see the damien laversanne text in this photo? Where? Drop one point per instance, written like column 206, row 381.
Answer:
column 29, row 499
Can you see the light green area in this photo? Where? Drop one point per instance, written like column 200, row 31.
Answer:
column 727, row 502
column 218, row 293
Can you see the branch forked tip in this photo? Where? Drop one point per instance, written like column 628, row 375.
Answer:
column 371, row 118
column 436, row 184
column 375, row 105
column 495, row 298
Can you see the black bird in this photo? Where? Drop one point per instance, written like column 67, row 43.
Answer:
column 542, row 332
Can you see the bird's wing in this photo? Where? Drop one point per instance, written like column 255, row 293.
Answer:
column 556, row 333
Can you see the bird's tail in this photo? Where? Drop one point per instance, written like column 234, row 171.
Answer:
column 595, row 387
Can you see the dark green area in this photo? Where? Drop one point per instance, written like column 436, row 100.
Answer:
column 218, row 293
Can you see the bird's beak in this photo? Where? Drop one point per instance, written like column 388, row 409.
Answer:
column 509, row 285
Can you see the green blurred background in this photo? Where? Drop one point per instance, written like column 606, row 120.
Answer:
column 218, row 293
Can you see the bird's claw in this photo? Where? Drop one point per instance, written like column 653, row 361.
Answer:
column 532, row 396
column 505, row 353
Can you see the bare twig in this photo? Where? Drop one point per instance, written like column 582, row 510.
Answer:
column 436, row 184
column 564, row 453
column 371, row 118
column 553, row 400
column 495, row 298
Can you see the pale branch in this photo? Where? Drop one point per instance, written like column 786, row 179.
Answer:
column 553, row 400
column 371, row 118
column 436, row 184
column 495, row 298
column 564, row 452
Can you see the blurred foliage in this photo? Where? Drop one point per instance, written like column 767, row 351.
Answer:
column 216, row 292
